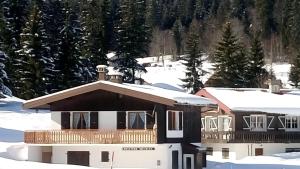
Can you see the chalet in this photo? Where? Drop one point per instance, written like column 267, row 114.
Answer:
column 109, row 124
column 250, row 122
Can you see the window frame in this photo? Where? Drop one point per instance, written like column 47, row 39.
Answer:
column 72, row 119
column 225, row 153
column 255, row 127
column 102, row 157
column 128, row 120
column 175, row 133
column 294, row 125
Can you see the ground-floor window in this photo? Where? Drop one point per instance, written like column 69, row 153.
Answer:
column 104, row 156
column 209, row 151
column 78, row 158
column 259, row 151
column 289, row 150
column 225, row 153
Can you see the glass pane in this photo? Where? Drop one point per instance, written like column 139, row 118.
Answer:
column 188, row 163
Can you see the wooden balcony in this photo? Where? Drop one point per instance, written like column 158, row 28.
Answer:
column 87, row 136
column 250, row 137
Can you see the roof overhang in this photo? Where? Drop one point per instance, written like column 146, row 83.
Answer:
column 45, row 101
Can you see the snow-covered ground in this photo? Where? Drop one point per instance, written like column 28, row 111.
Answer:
column 169, row 72
column 13, row 152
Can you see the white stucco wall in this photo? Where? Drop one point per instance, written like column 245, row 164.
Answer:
column 238, row 151
column 108, row 119
column 123, row 158
column 35, row 153
column 56, row 120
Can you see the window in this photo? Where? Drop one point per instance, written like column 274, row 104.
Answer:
column 175, row 160
column 224, row 123
column 291, row 122
column 225, row 153
column 104, row 156
column 81, row 120
column 258, row 123
column 209, row 151
column 290, row 150
column 136, row 120
column 174, row 120
column 211, row 123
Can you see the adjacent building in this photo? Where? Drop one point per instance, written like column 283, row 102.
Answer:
column 250, row 122
column 109, row 124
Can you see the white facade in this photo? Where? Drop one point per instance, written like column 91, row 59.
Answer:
column 241, row 150
column 152, row 156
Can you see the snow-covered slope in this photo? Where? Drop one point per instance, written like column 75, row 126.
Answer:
column 169, row 72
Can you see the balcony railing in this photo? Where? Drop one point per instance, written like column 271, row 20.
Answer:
column 250, row 137
column 91, row 137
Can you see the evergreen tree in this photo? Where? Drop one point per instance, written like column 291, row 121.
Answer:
column 132, row 40
column 295, row 24
column 230, row 61
column 177, row 34
column 54, row 22
column 71, row 62
column 15, row 13
column 193, row 62
column 256, row 72
column 294, row 76
column 266, row 17
column 94, row 52
column 3, row 76
column 35, row 64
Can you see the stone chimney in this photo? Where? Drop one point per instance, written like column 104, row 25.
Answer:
column 101, row 69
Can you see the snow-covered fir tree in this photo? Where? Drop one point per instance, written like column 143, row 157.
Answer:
column 15, row 13
column 133, row 38
column 70, row 63
column 294, row 76
column 35, row 64
column 93, row 49
column 54, row 22
column 256, row 72
column 230, row 61
column 193, row 62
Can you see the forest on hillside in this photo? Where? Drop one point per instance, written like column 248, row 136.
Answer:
column 50, row 45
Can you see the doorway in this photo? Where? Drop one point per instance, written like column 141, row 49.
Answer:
column 188, row 161
column 79, row 158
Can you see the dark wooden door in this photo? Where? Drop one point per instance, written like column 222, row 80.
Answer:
column 259, row 151
column 46, row 157
column 79, row 158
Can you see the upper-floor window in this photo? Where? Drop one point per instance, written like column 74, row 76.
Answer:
column 174, row 120
column 81, row 120
column 174, row 124
column 258, row 122
column 136, row 120
column 291, row 123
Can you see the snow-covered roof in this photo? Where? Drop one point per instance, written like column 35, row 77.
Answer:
column 146, row 92
column 256, row 100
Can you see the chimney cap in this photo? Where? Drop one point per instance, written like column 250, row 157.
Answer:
column 101, row 68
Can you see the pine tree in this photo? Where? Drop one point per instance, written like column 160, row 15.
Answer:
column 266, row 17
column 177, row 34
column 3, row 76
column 54, row 22
column 295, row 24
column 230, row 61
column 256, row 73
column 15, row 13
column 71, row 62
column 132, row 40
column 94, row 52
column 35, row 64
column 294, row 76
column 193, row 62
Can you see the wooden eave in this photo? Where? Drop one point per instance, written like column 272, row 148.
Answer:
column 45, row 101
column 206, row 94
